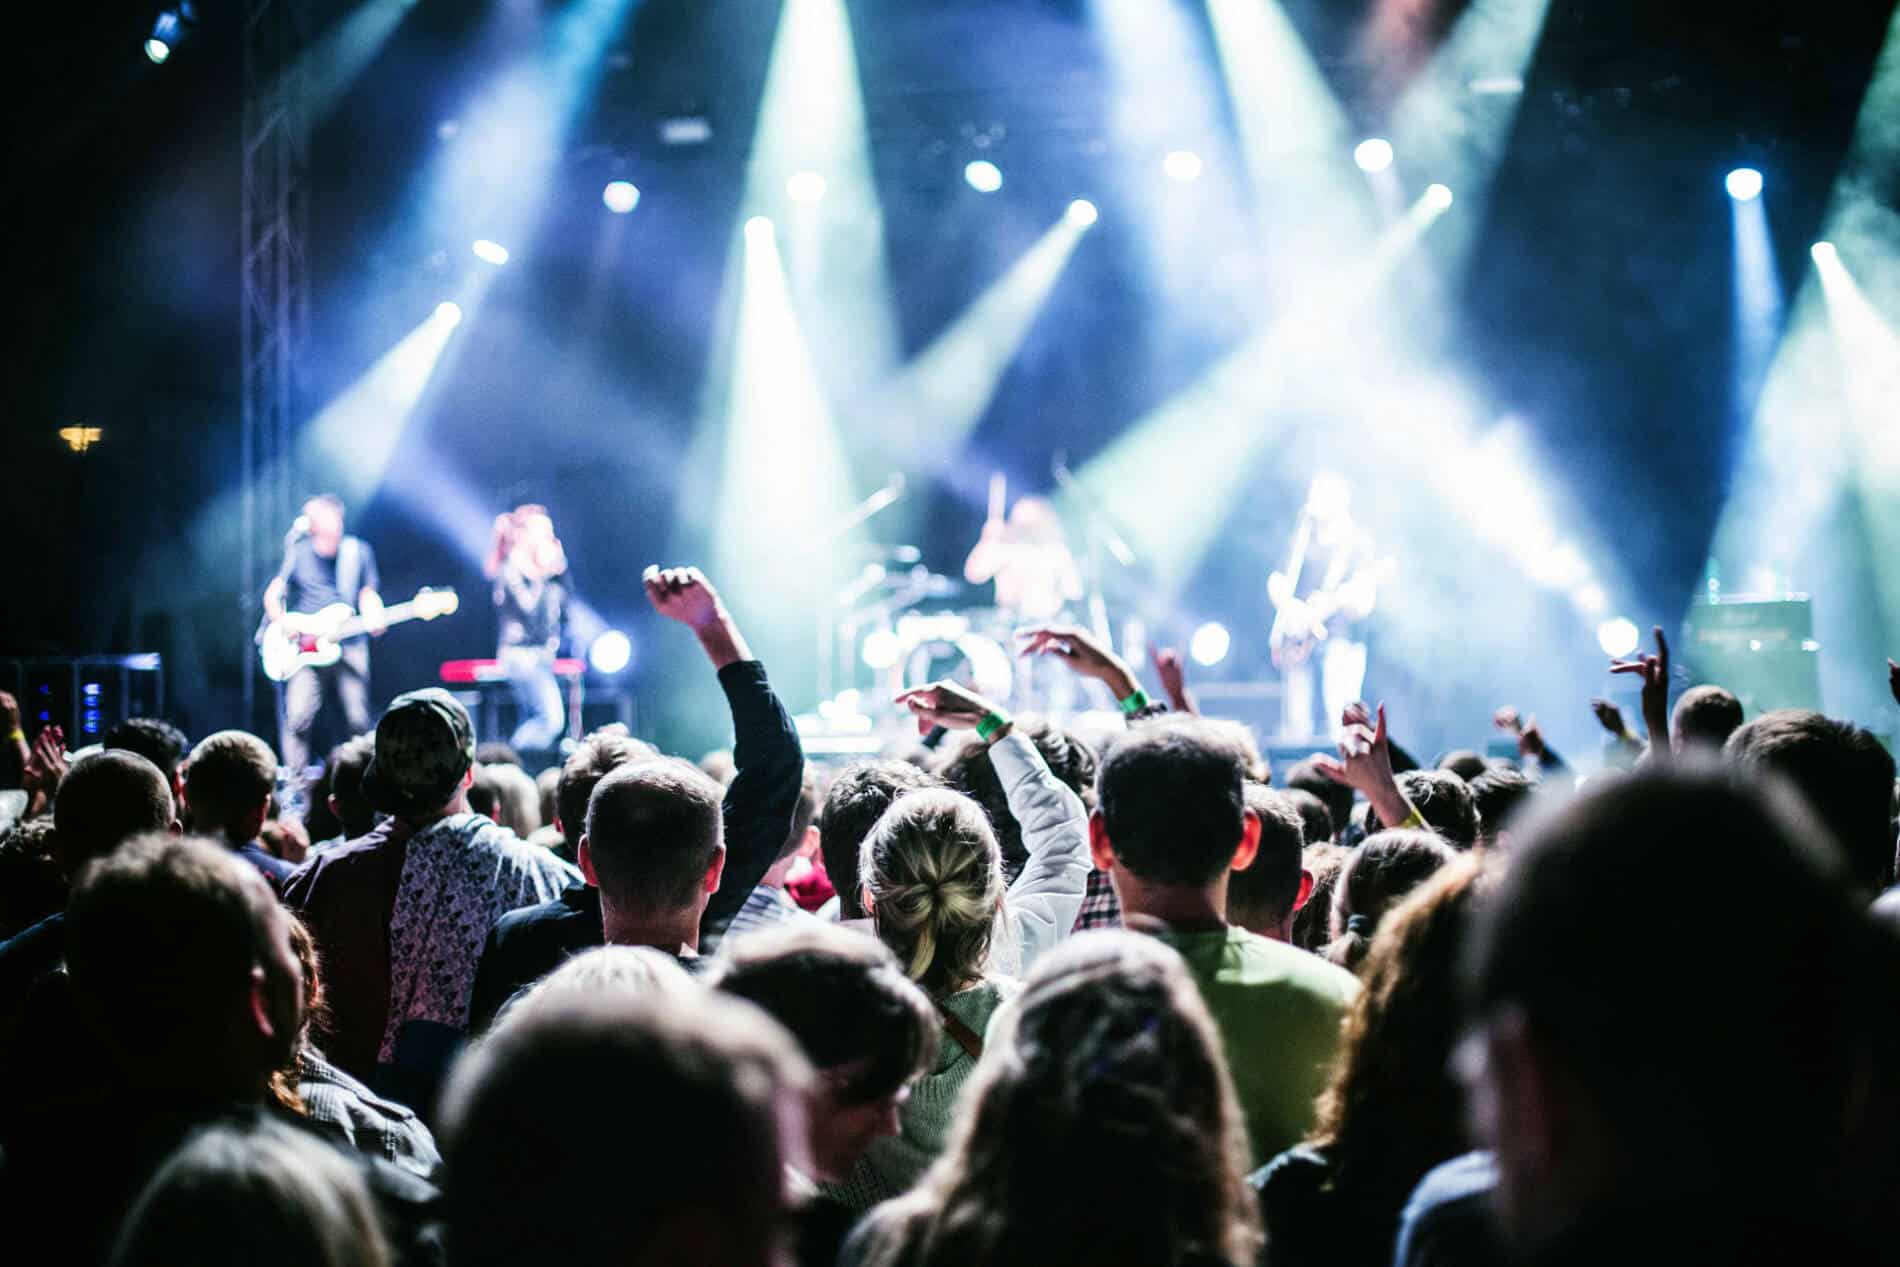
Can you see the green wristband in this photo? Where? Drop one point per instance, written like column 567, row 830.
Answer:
column 991, row 723
column 1134, row 703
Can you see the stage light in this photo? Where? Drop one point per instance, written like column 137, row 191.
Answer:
column 169, row 30
column 621, row 196
column 1210, row 644
column 610, row 653
column 805, row 187
column 1438, row 197
column 984, row 176
column 882, row 649
column 1824, row 253
column 79, row 439
column 759, row 231
column 157, row 50
column 1082, row 213
column 1744, row 184
column 1618, row 637
column 1374, row 154
column 1182, row 165
column 493, row 252
column 449, row 313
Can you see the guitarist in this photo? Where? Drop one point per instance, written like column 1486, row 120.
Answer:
column 323, row 565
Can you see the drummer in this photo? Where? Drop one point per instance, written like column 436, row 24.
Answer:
column 1036, row 577
column 1027, row 556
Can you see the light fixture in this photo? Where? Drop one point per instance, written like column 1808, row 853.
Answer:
column 1618, row 637
column 1210, row 644
column 983, row 176
column 1374, row 154
column 1438, row 197
column 621, row 196
column 169, row 29
column 1082, row 213
column 805, row 187
column 493, row 252
column 449, row 313
column 1744, row 184
column 611, row 652
column 1182, row 165
column 1824, row 253
column 758, row 231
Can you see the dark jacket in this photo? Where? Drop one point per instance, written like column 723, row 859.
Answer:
column 527, row 944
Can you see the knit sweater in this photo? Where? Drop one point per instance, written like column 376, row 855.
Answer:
column 896, row 1162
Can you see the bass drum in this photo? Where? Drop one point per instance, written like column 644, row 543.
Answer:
column 974, row 659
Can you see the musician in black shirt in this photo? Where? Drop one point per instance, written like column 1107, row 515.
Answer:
column 322, row 567
column 528, row 565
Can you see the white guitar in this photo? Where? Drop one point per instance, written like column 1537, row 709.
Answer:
column 315, row 639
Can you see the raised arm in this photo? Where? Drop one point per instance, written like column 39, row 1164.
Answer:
column 1654, row 671
column 1365, row 765
column 771, row 763
column 1078, row 648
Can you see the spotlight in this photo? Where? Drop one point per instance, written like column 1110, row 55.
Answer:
column 984, row 176
column 758, row 231
column 169, row 29
column 882, row 649
column 1438, row 197
column 621, row 196
column 493, row 252
column 1824, row 253
column 806, row 187
column 1209, row 644
column 1374, row 154
column 449, row 313
column 1618, row 637
column 1082, row 213
column 1182, row 165
column 610, row 652
column 1744, row 184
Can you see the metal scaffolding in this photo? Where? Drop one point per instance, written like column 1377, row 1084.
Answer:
column 275, row 320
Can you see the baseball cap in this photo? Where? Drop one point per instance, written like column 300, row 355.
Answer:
column 425, row 743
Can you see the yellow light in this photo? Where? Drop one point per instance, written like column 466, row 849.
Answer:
column 79, row 439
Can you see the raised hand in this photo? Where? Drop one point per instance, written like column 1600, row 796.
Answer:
column 1610, row 717
column 1173, row 674
column 1078, row 648
column 46, row 764
column 1893, row 679
column 1365, row 765
column 1654, row 672
column 685, row 595
column 946, row 704
column 9, row 714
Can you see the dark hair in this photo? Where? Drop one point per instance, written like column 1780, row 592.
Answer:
column 229, row 776
column 32, row 884
column 241, row 1193
column 857, row 799
column 1305, row 776
column 1263, row 895
column 1740, row 1078
column 804, row 811
column 1466, row 763
column 1315, row 818
column 843, row 996
column 1171, row 799
column 496, row 752
column 596, row 756
column 1500, row 794
column 162, row 936
column 970, row 771
column 1101, row 1126
column 1843, row 773
column 345, row 767
column 1376, row 878
column 653, row 827
column 678, row 1147
column 1313, row 923
column 153, row 738
column 1704, row 718
column 1393, row 1108
column 107, row 798
column 1443, row 800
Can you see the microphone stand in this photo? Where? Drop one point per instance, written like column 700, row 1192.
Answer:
column 862, row 513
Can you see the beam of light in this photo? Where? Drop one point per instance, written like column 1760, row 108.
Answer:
column 1454, row 121
column 336, row 59
column 1082, row 213
column 1815, row 498
column 347, row 447
column 783, row 487
column 811, row 172
column 930, row 407
column 1174, row 476
column 1295, row 140
column 1743, row 184
column 1757, row 300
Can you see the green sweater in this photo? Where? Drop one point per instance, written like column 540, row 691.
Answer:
column 896, row 1162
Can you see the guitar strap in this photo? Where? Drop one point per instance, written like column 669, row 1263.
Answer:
column 349, row 570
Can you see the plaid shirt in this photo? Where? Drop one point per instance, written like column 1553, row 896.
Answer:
column 1100, row 907
column 376, row 1127
column 766, row 907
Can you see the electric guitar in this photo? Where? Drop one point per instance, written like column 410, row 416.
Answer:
column 315, row 639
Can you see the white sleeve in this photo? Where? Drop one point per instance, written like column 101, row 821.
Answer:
column 1041, row 906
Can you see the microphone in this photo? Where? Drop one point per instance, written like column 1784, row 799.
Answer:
column 300, row 527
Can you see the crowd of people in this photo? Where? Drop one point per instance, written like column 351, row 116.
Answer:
column 1007, row 997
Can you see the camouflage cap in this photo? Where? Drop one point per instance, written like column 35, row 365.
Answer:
column 425, row 743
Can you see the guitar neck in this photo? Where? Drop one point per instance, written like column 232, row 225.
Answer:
column 395, row 614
